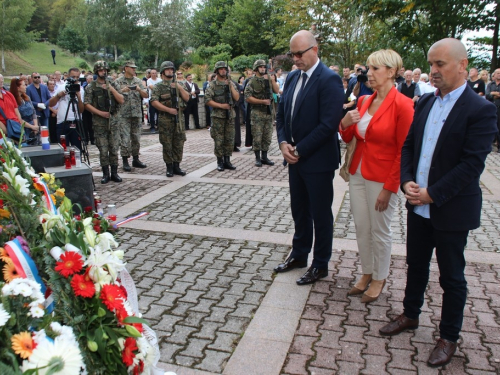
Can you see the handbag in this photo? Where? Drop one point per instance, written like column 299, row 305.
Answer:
column 351, row 147
column 13, row 127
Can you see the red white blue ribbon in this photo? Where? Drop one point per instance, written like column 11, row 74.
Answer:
column 26, row 268
column 131, row 218
column 46, row 195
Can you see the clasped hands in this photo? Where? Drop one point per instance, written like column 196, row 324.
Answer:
column 416, row 195
column 288, row 153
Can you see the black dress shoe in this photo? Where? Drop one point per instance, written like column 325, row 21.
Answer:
column 442, row 353
column 311, row 276
column 290, row 264
column 398, row 325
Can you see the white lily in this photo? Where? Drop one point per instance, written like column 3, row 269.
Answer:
column 90, row 233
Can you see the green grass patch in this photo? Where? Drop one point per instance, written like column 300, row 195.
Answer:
column 37, row 58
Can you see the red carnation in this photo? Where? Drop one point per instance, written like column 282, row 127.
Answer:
column 87, row 209
column 112, row 297
column 128, row 354
column 69, row 264
column 82, row 286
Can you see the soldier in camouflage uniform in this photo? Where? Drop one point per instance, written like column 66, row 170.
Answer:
column 259, row 94
column 165, row 98
column 101, row 99
column 129, row 116
column 222, row 95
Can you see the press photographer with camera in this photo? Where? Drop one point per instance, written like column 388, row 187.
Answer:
column 362, row 87
column 66, row 116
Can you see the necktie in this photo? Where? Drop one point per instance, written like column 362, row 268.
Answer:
column 299, row 94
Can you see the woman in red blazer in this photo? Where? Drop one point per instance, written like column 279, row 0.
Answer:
column 380, row 125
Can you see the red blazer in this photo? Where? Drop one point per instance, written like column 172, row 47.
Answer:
column 384, row 139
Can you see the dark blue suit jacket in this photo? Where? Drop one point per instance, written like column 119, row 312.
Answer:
column 314, row 127
column 458, row 160
column 35, row 98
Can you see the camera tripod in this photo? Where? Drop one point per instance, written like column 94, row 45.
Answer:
column 73, row 103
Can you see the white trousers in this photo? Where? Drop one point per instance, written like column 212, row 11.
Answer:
column 373, row 228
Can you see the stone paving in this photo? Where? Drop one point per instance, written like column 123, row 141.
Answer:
column 202, row 261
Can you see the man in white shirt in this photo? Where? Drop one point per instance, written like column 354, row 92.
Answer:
column 67, row 119
column 153, row 112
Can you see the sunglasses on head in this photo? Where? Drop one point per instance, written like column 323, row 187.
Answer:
column 298, row 54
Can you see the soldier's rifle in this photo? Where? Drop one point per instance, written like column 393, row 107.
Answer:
column 175, row 103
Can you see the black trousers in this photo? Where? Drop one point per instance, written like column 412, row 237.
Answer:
column 450, row 246
column 87, row 126
column 191, row 108
column 153, row 116
column 311, row 198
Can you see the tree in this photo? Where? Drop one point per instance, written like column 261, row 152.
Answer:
column 72, row 40
column 246, row 24
column 113, row 23
column 207, row 21
column 41, row 18
column 16, row 14
column 63, row 11
column 164, row 32
column 421, row 23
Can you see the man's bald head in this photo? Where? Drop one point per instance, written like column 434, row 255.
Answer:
column 304, row 36
column 453, row 46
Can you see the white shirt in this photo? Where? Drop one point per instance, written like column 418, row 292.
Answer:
column 299, row 82
column 153, row 82
column 63, row 105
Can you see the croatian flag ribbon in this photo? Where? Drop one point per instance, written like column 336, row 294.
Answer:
column 46, row 195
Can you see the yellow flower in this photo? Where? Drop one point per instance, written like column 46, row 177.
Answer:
column 22, row 344
column 53, row 198
column 9, row 271
column 4, row 213
column 60, row 193
column 49, row 178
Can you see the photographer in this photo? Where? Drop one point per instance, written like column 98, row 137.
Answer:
column 67, row 125
column 361, row 88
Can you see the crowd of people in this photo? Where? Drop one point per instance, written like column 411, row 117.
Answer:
column 426, row 134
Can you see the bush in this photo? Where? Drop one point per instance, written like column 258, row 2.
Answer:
column 83, row 65
column 284, row 62
column 186, row 65
column 199, row 72
column 242, row 63
column 224, row 56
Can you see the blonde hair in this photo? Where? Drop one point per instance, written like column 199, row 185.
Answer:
column 387, row 58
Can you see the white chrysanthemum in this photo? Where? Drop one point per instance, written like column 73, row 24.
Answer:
column 7, row 290
column 4, row 315
column 146, row 351
column 55, row 358
column 36, row 312
column 65, row 333
column 25, row 287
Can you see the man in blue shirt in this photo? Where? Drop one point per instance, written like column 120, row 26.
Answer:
column 441, row 162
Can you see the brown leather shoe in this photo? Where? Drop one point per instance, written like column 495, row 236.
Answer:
column 442, row 353
column 398, row 325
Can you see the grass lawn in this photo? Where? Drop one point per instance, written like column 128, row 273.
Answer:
column 38, row 58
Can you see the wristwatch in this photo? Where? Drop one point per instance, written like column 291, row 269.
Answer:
column 295, row 152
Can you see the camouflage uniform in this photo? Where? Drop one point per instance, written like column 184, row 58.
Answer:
column 261, row 117
column 106, row 131
column 172, row 134
column 129, row 117
column 222, row 130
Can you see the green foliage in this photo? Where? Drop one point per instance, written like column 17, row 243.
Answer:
column 200, row 72
column 283, row 61
column 72, row 40
column 242, row 63
column 64, row 11
column 246, row 24
column 83, row 65
column 41, row 18
column 206, row 53
column 224, row 56
column 207, row 21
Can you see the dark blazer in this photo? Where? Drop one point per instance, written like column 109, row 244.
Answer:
column 196, row 91
column 314, row 127
column 458, row 160
column 35, row 98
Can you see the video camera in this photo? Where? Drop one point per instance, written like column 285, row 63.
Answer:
column 362, row 76
column 72, row 86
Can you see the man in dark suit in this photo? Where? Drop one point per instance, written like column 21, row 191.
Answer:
column 441, row 162
column 40, row 96
column 192, row 105
column 307, row 123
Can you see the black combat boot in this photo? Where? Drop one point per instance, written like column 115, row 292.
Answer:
column 177, row 169
column 227, row 163
column 126, row 166
column 170, row 170
column 220, row 164
column 105, row 175
column 258, row 162
column 137, row 163
column 265, row 160
column 114, row 174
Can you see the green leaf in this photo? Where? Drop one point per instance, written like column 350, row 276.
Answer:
column 135, row 319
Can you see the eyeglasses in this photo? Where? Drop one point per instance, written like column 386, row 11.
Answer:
column 36, row 77
column 179, row 74
column 298, row 54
